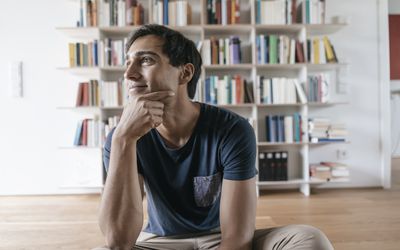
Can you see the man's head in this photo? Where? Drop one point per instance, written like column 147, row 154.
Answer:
column 179, row 50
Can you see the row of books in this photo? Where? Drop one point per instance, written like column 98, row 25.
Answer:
column 173, row 13
column 323, row 130
column 107, row 52
column 276, row 12
column 84, row 54
column 110, row 13
column 221, row 51
column 278, row 49
column 103, row 94
column 87, row 13
column 330, row 171
column 90, row 133
column 279, row 90
column 228, row 90
column 223, row 12
column 312, row 11
column 317, row 88
column 320, row 51
column 283, row 128
column 273, row 166
column 114, row 53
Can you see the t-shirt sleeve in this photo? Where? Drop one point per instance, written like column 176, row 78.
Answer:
column 238, row 152
column 107, row 153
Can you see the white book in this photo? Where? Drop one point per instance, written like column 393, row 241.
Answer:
column 160, row 9
column 84, row 13
column 121, row 13
column 325, row 85
column 292, row 57
column 223, row 12
column 206, row 52
column 221, row 92
column 288, row 124
column 267, row 91
column 171, row 13
column 322, row 54
column 300, row 92
column 227, row 52
column 276, row 91
column 106, row 12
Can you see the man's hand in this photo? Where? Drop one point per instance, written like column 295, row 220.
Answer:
column 142, row 113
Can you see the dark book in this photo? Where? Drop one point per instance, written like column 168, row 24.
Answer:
column 299, row 52
column 262, row 167
column 270, row 166
column 248, row 90
column 284, row 166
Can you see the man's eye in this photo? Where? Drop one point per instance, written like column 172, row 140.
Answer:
column 147, row 60
column 127, row 63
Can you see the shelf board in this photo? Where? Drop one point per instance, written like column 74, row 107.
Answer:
column 242, row 105
column 333, row 180
column 279, row 28
column 323, row 104
column 281, row 183
column 80, row 32
column 323, row 29
column 281, row 105
column 231, row 29
column 328, row 142
column 281, row 66
column 229, row 66
column 271, row 144
column 326, row 66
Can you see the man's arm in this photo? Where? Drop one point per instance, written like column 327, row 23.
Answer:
column 121, row 209
column 237, row 214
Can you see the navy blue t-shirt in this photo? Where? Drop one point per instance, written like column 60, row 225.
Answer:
column 183, row 186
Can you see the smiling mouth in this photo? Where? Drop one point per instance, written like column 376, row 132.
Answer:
column 137, row 86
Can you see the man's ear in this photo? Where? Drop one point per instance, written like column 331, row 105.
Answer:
column 187, row 72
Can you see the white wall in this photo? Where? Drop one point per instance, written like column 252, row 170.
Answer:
column 33, row 127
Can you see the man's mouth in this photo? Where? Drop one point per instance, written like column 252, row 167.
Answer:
column 137, row 86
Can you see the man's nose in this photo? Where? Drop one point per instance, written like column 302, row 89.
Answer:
column 132, row 72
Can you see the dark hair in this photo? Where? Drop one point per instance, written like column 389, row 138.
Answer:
column 179, row 49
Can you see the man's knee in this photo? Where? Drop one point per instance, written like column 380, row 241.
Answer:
column 311, row 236
column 291, row 237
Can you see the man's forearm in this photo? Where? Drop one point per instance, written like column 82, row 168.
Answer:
column 121, row 209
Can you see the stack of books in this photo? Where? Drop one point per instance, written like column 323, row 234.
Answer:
column 323, row 130
column 330, row 171
column 273, row 166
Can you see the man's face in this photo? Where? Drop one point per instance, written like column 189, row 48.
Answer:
column 148, row 68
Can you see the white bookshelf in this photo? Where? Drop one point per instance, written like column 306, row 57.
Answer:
column 247, row 30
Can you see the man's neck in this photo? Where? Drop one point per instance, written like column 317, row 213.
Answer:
column 180, row 119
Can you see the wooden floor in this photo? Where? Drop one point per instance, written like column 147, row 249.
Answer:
column 352, row 219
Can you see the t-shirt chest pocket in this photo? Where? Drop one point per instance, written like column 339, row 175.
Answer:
column 207, row 189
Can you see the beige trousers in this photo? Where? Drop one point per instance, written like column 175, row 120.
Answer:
column 287, row 237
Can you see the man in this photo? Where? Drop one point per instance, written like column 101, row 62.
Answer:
column 197, row 161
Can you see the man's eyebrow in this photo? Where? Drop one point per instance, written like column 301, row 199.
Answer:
column 141, row 53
